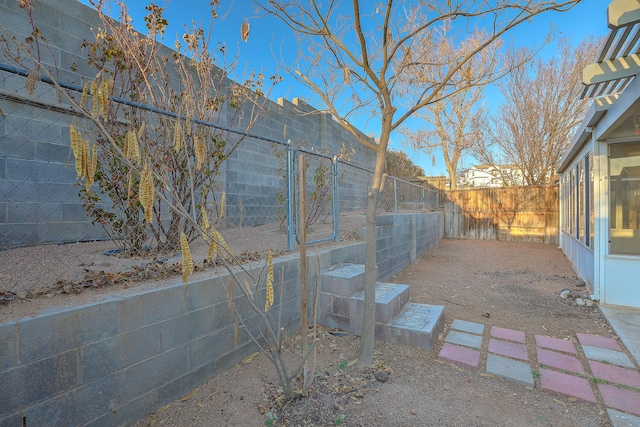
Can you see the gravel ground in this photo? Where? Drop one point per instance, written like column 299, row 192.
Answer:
column 512, row 285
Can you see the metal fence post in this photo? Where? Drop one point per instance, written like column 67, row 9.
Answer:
column 289, row 183
column 336, row 200
column 395, row 196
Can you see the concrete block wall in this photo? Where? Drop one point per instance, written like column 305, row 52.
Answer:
column 112, row 362
column 39, row 197
column 402, row 238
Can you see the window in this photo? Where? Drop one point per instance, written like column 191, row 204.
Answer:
column 572, row 204
column 590, row 202
column 624, row 208
column 580, row 192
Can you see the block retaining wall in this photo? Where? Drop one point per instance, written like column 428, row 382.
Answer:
column 112, row 362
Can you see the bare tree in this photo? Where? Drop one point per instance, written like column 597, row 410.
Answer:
column 456, row 119
column 541, row 109
column 353, row 59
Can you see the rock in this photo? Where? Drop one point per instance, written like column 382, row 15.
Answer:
column 565, row 293
column 588, row 303
column 580, row 302
column 580, row 283
column 382, row 376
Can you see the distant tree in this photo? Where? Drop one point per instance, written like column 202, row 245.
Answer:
column 533, row 126
column 456, row 120
column 401, row 166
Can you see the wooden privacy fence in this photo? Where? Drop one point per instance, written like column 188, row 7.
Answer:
column 522, row 214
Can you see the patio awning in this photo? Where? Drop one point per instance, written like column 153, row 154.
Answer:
column 619, row 60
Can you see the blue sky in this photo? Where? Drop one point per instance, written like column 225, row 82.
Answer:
column 271, row 42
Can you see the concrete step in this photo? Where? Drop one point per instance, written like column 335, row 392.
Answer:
column 343, row 279
column 390, row 298
column 417, row 325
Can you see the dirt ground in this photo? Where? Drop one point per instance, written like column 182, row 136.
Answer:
column 511, row 285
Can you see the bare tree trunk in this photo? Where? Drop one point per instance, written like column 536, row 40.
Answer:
column 369, row 316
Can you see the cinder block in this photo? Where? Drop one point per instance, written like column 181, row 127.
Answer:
column 8, row 338
column 51, row 334
column 129, row 412
column 38, row 381
column 417, row 325
column 101, row 358
column 80, row 405
column 17, row 235
column 151, row 373
column 343, row 280
column 180, row 330
column 14, row 420
column 151, row 306
column 389, row 300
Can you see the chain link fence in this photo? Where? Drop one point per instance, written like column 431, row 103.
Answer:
column 59, row 235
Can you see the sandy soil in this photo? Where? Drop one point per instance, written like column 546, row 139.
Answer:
column 510, row 285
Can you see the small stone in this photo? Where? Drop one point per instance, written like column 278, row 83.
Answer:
column 580, row 302
column 382, row 376
column 588, row 303
column 565, row 293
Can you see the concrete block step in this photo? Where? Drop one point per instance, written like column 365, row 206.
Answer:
column 390, row 299
column 346, row 312
column 343, row 279
column 417, row 325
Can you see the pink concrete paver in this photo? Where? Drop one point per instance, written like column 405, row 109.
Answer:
column 507, row 334
column 559, row 361
column 555, row 344
column 509, row 349
column 461, row 356
column 598, row 341
column 619, row 398
column 565, row 384
column 615, row 374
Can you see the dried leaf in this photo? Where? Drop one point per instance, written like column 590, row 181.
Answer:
column 247, row 288
column 213, row 246
column 244, row 31
column 32, row 80
column 222, row 206
column 146, row 192
column 187, row 261
column 85, row 92
column 269, row 296
column 177, row 136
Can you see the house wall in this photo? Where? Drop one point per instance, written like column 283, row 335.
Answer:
column 39, row 196
column 112, row 362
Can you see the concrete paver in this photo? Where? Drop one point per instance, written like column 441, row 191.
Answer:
column 461, row 356
column 461, row 338
column 598, row 341
column 615, row 374
column 507, row 334
column 471, row 327
column 555, row 344
column 559, row 361
column 620, row 419
column 608, row 356
column 510, row 369
column 619, row 398
column 509, row 349
column 568, row 385
column 607, row 361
